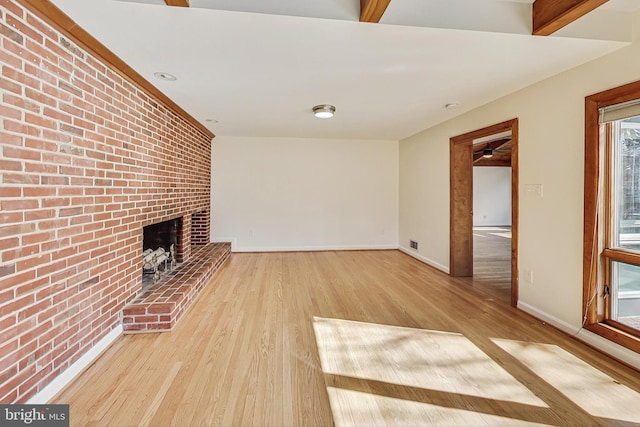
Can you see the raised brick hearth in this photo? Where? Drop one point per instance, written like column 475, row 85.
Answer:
column 160, row 307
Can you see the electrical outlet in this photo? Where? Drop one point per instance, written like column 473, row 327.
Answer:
column 413, row 244
column 528, row 276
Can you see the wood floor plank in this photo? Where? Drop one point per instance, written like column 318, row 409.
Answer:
column 413, row 346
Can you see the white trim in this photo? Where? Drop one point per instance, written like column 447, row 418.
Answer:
column 426, row 260
column 69, row 374
column 628, row 294
column 541, row 315
column 604, row 345
column 314, row 248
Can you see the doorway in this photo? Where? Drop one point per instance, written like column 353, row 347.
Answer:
column 461, row 198
column 492, row 214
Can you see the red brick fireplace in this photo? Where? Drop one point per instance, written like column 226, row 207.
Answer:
column 87, row 158
column 159, row 306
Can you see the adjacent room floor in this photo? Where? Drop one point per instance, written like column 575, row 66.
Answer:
column 492, row 259
column 351, row 338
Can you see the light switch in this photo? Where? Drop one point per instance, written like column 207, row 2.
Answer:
column 533, row 189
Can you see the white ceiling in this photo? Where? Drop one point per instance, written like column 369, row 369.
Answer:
column 257, row 67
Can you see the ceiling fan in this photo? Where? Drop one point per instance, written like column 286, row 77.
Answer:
column 488, row 149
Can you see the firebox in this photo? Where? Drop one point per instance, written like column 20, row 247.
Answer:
column 160, row 250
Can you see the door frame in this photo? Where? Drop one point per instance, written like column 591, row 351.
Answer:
column 461, row 201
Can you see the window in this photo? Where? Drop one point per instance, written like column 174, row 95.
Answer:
column 612, row 215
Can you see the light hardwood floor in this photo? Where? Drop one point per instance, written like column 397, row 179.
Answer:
column 492, row 260
column 351, row 338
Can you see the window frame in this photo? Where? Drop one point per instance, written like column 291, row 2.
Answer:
column 597, row 208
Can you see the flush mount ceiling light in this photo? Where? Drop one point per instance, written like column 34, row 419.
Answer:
column 165, row 76
column 324, row 111
column 487, row 153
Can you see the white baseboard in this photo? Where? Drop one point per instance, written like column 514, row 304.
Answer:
column 609, row 347
column 314, row 248
column 547, row 318
column 65, row 378
column 426, row 260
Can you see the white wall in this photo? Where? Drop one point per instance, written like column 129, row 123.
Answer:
column 551, row 146
column 274, row 194
column 491, row 195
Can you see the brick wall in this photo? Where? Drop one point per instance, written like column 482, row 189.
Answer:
column 86, row 160
column 184, row 239
column 200, row 228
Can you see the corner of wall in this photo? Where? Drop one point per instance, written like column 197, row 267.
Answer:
column 635, row 33
column 424, row 259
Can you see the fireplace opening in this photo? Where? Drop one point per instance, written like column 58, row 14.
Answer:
column 160, row 250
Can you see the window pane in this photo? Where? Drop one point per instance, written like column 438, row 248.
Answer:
column 626, row 184
column 625, row 294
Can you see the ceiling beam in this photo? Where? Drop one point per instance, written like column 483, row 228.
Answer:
column 494, row 145
column 551, row 15
column 372, row 10
column 181, row 3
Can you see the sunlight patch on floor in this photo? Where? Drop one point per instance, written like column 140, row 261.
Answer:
column 427, row 363
column 506, row 235
column 494, row 231
column 595, row 392
column 356, row 408
column 482, row 228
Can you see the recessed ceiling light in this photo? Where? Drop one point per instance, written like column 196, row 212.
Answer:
column 165, row 76
column 324, row 111
column 451, row 106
